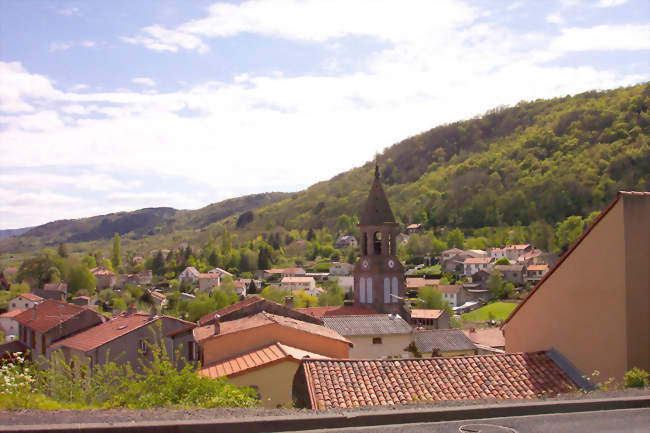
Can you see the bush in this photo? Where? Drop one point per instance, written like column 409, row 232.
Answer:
column 636, row 378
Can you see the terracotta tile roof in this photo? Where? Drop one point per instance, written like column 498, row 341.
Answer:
column 109, row 331
column 449, row 289
column 158, row 295
column 265, row 319
column 547, row 275
column 85, row 298
column 478, row 260
column 31, row 297
column 417, row 282
column 298, row 280
column 492, row 337
column 257, row 358
column 293, row 270
column 517, row 247
column 61, row 287
column 211, row 276
column 48, row 314
column 445, row 340
column 101, row 271
column 354, row 383
column 537, row 267
column 339, row 310
column 421, row 313
column 12, row 313
column 376, row 324
column 274, row 271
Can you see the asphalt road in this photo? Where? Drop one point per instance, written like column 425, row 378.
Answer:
column 610, row 421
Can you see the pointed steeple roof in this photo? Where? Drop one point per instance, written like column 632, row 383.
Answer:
column 377, row 211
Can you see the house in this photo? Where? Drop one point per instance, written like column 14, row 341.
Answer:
column 448, row 254
column 82, row 301
column 472, row 265
column 373, row 336
column 346, row 283
column 240, row 287
column 125, row 338
column 272, row 273
column 486, row 339
column 220, row 272
column 158, row 298
column 346, row 242
column 477, row 253
column 189, row 275
column 298, row 283
column 351, row 383
column 514, row 251
column 514, row 274
column 475, row 292
column 454, row 264
column 187, row 296
column 415, row 283
column 534, row 273
column 482, row 277
column 209, row 281
column 24, row 301
column 341, row 268
column 51, row 320
column 242, row 342
column 142, row 278
column 593, row 304
column 429, row 319
column 105, row 278
column 8, row 323
column 443, row 342
column 57, row 291
column 316, row 291
column 339, row 310
column 268, row 369
column 412, row 229
column 496, row 253
column 254, row 305
column 452, row 293
column 293, row 272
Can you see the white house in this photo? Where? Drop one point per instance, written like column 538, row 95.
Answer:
column 451, row 294
column 298, row 283
column 7, row 323
column 24, row 301
column 472, row 265
column 189, row 275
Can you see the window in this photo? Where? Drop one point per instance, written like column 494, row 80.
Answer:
column 376, row 340
column 143, row 346
column 26, row 305
column 376, row 241
column 191, row 355
column 362, row 290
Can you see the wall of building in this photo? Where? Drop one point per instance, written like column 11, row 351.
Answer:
column 580, row 309
column 392, row 345
column 273, row 382
column 228, row 345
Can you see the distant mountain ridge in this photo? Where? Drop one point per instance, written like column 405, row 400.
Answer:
column 6, row 233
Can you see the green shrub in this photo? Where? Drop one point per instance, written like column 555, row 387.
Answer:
column 636, row 378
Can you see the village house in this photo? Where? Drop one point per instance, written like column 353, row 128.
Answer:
column 487, row 340
column 477, row 254
column 189, row 275
column 105, row 278
column 534, row 273
column 593, row 305
column 158, row 298
column 82, row 301
column 222, row 273
column 513, row 252
column 412, row 229
column 496, row 253
column 344, row 242
column 455, row 263
column 241, row 287
column 452, row 252
column 8, row 323
column 139, row 279
column 443, row 342
column 57, row 291
column 293, row 272
column 51, row 320
column 472, row 265
column 429, row 319
column 209, row 281
column 514, row 274
column 137, row 259
column 125, row 338
column 241, row 350
column 452, row 293
column 341, row 269
column 298, row 283
column 24, row 301
column 416, row 283
column 373, row 336
column 325, row 384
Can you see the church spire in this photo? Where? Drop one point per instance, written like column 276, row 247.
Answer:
column 377, row 210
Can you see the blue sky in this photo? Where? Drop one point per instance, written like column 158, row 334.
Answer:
column 109, row 106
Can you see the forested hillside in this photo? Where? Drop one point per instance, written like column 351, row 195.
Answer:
column 522, row 170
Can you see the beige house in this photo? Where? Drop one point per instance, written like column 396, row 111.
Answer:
column 209, row 281
column 593, row 305
column 8, row 323
column 189, row 275
column 298, row 283
column 534, row 273
column 105, row 278
column 24, row 301
column 373, row 335
column 429, row 319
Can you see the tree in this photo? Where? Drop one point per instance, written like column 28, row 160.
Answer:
column 496, row 285
column 456, row 239
column 81, row 278
column 63, row 250
column 116, row 255
column 310, row 235
column 265, row 256
column 158, row 264
column 89, row 261
column 502, row 261
column 433, row 299
column 108, row 264
column 568, row 231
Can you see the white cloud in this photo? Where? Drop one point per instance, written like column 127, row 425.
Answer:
column 78, row 87
column 157, row 38
column 59, row 46
column 88, row 44
column 69, row 11
column 555, row 18
column 610, row 3
column 603, row 37
column 145, row 81
column 17, row 86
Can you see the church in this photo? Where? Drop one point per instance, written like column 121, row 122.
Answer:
column 378, row 274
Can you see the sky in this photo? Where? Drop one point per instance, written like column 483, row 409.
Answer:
column 118, row 105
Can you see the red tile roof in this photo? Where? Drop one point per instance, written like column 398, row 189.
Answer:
column 109, row 331
column 478, row 260
column 32, row 297
column 421, row 313
column 449, row 289
column 48, row 314
column 257, row 358
column 12, row 313
column 265, row 319
column 492, row 337
column 353, row 383
column 417, row 282
column 339, row 310
column 578, row 241
column 537, row 267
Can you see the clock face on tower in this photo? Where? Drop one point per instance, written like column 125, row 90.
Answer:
column 391, row 263
column 364, row 264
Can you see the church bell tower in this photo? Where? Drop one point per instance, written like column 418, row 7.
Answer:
column 378, row 275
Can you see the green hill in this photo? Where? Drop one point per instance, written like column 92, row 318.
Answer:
column 534, row 165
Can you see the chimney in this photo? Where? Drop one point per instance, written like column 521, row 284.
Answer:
column 288, row 301
column 153, row 312
column 131, row 309
column 217, row 324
